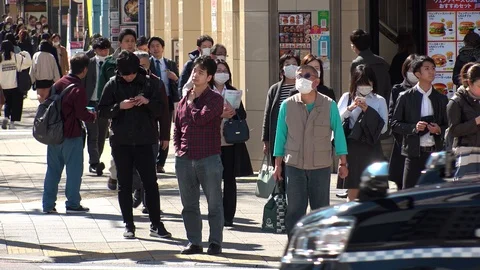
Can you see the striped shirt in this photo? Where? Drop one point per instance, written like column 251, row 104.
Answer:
column 285, row 92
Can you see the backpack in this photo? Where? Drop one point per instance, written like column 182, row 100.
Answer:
column 48, row 122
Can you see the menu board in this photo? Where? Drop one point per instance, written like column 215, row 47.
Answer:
column 294, row 33
column 448, row 21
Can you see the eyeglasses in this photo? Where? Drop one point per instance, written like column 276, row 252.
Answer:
column 305, row 76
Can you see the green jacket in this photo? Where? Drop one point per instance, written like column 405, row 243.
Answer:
column 107, row 71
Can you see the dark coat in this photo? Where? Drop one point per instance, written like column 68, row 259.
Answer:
column 380, row 67
column 243, row 165
column 90, row 81
column 462, row 110
column 270, row 117
column 407, row 113
column 187, row 70
column 465, row 55
column 173, row 85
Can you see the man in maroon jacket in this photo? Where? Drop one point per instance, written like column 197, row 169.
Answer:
column 69, row 154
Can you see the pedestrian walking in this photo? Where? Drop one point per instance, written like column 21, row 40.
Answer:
column 62, row 54
column 420, row 117
column 397, row 160
column 235, row 157
column 96, row 131
column 44, row 71
column 69, row 154
column 131, row 99
column 126, row 40
column 306, row 121
column 198, row 163
column 366, row 114
column 10, row 64
column 167, row 71
column 463, row 112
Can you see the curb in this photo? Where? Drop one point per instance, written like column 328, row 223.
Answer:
column 26, row 258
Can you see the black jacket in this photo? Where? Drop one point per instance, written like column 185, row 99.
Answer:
column 407, row 113
column 270, row 117
column 90, row 81
column 135, row 126
column 465, row 55
column 187, row 70
column 396, row 90
column 173, row 85
column 462, row 110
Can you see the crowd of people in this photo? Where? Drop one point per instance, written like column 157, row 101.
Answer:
column 129, row 96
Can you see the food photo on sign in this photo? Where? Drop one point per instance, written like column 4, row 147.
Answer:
column 441, row 26
column 129, row 11
column 467, row 21
column 443, row 84
column 443, row 54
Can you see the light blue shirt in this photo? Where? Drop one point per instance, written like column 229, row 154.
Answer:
column 163, row 73
column 374, row 101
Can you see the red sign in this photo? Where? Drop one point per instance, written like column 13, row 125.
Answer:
column 76, row 45
column 453, row 5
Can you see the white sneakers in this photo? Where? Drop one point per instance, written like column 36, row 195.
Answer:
column 6, row 123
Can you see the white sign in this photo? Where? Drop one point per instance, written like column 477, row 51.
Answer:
column 214, row 15
column 114, row 15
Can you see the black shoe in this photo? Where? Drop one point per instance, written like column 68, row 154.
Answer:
column 97, row 168
column 112, row 184
column 228, row 224
column 160, row 169
column 214, row 249
column 137, row 198
column 79, row 209
column 129, row 232
column 159, row 231
column 51, row 211
column 192, row 249
column 145, row 210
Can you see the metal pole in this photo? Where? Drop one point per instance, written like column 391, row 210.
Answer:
column 59, row 17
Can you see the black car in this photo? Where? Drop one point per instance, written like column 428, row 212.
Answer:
column 434, row 226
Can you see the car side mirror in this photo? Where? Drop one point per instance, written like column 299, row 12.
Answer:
column 374, row 182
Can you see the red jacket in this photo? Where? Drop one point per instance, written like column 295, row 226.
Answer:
column 74, row 106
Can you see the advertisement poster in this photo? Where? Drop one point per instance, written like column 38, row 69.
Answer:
column 448, row 21
column 294, row 33
column 323, row 45
column 129, row 10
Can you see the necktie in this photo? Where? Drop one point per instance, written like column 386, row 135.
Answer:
column 158, row 69
column 100, row 64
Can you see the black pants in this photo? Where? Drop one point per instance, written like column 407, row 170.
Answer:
column 163, row 154
column 229, row 183
column 141, row 157
column 96, row 135
column 13, row 104
column 413, row 169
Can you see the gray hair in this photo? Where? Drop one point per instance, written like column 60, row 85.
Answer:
column 142, row 54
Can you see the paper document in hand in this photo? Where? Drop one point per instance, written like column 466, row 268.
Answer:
column 233, row 97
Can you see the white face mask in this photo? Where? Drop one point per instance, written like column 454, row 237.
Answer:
column 304, row 86
column 56, row 43
column 45, row 30
column 101, row 58
column 221, row 78
column 221, row 57
column 290, row 71
column 412, row 78
column 364, row 90
column 206, row 51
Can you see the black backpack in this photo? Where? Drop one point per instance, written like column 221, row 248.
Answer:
column 48, row 122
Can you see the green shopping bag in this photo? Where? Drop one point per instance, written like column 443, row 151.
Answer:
column 274, row 212
column 265, row 181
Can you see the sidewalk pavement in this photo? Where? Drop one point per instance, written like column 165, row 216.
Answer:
column 96, row 237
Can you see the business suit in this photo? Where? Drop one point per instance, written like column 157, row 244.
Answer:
column 96, row 131
column 406, row 115
column 173, row 97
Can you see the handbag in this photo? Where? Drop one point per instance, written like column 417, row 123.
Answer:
column 346, row 121
column 236, row 131
column 265, row 180
column 24, row 82
column 274, row 212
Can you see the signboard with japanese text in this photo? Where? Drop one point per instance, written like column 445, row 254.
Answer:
column 294, row 33
column 323, row 44
column 448, row 21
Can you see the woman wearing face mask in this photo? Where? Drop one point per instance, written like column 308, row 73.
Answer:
column 235, row 157
column 364, row 148
column 277, row 93
column 25, row 42
column 61, row 54
column 36, row 35
column 7, row 28
column 317, row 63
column 463, row 112
column 397, row 160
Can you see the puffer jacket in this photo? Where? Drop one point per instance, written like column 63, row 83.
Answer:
column 465, row 55
column 135, row 126
column 462, row 110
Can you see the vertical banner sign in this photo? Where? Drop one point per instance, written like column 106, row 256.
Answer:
column 76, row 27
column 448, row 21
column 214, row 15
column 324, row 41
column 295, row 33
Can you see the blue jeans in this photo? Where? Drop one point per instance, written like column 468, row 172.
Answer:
column 303, row 186
column 69, row 154
column 206, row 172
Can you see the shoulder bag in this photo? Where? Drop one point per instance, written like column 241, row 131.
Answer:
column 236, row 131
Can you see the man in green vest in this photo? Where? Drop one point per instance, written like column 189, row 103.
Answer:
column 303, row 140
